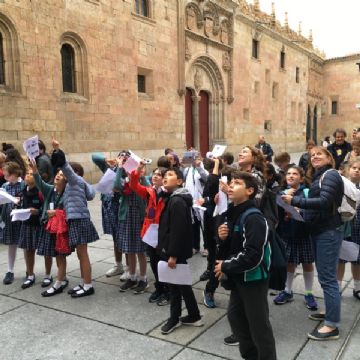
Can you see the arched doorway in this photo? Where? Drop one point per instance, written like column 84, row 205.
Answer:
column 308, row 124
column 314, row 127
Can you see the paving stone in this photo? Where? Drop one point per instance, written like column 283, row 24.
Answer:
column 8, row 304
column 352, row 351
column 185, row 334
column 188, row 354
column 108, row 305
column 56, row 335
column 221, row 300
column 299, row 287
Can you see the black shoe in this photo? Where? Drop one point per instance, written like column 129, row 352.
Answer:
column 332, row 335
column 56, row 291
column 141, row 287
column 47, row 282
column 231, row 340
column 163, row 300
column 154, row 297
column 82, row 292
column 191, row 321
column 75, row 289
column 317, row 317
column 205, row 275
column 28, row 283
column 130, row 284
column 170, row 326
column 356, row 294
column 9, row 278
column 64, row 284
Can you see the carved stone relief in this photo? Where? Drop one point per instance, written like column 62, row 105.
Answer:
column 187, row 50
column 226, row 64
column 208, row 28
column 224, row 34
column 198, row 79
column 190, row 18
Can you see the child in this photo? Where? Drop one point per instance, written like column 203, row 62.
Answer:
column 297, row 242
column 109, row 212
column 155, row 205
column 247, row 254
column 353, row 236
column 130, row 219
column 29, row 232
column 10, row 230
column 175, row 246
column 282, row 160
column 81, row 229
column 53, row 201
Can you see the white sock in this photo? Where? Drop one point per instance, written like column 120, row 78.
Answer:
column 308, row 281
column 47, row 276
column 142, row 278
column 119, row 264
column 82, row 282
column 357, row 285
column 289, row 282
column 11, row 257
column 340, row 284
column 87, row 286
column 56, row 286
column 31, row 277
column 132, row 277
column 64, row 282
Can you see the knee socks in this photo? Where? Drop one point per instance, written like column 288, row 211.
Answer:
column 289, row 282
column 308, row 281
column 11, row 257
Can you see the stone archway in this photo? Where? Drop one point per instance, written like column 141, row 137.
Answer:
column 202, row 77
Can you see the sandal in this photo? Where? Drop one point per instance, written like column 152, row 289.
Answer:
column 28, row 282
column 56, row 291
column 46, row 282
column 356, row 294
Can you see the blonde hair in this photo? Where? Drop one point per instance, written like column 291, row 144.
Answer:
column 311, row 170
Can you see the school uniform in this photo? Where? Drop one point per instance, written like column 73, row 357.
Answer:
column 294, row 233
column 10, row 230
column 30, row 229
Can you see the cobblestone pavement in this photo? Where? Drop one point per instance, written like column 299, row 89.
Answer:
column 113, row 325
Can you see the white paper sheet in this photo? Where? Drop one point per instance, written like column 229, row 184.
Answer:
column 20, row 214
column 289, row 209
column 222, row 204
column 6, row 198
column 349, row 251
column 197, row 206
column 106, row 183
column 135, row 157
column 151, row 236
column 218, row 150
column 181, row 275
column 131, row 164
column 31, row 147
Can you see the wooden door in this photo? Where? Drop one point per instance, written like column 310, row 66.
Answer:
column 204, row 122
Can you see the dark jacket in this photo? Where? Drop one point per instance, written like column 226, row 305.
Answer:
column 32, row 198
column 244, row 253
column 45, row 168
column 304, row 161
column 339, row 152
column 175, row 226
column 322, row 203
column 211, row 188
column 266, row 150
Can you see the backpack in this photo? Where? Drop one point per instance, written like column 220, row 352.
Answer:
column 269, row 208
column 350, row 199
column 275, row 267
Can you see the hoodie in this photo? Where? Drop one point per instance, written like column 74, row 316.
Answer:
column 175, row 226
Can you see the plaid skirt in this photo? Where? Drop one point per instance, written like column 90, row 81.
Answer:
column 109, row 212
column 46, row 244
column 128, row 234
column 81, row 232
column 299, row 251
column 29, row 237
column 10, row 234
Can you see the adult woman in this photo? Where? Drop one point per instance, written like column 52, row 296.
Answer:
column 324, row 197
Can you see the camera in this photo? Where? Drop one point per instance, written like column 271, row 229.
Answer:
column 147, row 161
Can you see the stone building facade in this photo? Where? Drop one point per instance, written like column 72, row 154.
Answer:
column 106, row 75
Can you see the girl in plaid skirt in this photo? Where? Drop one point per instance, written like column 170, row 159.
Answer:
column 30, row 229
column 297, row 242
column 10, row 230
column 353, row 235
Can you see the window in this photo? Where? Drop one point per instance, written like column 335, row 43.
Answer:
column 282, row 59
column 68, row 68
column 141, row 84
column 246, row 114
column 267, row 76
column 297, row 75
column 257, row 87
column 255, row 49
column 142, row 7
column 2, row 62
column 275, row 90
column 334, row 107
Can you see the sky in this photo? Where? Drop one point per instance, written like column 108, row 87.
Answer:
column 335, row 24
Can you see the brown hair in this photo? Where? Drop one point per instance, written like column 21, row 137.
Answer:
column 12, row 168
column 311, row 170
column 340, row 131
column 259, row 158
column 353, row 161
column 249, row 180
column 282, row 157
column 78, row 169
column 310, row 142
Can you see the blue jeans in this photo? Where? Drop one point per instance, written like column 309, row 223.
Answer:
column 326, row 247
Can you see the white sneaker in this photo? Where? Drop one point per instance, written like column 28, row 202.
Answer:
column 115, row 270
column 125, row 276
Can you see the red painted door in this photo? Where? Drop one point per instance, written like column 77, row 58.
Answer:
column 189, row 136
column 204, row 122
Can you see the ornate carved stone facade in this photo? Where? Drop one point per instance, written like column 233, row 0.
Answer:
column 202, row 84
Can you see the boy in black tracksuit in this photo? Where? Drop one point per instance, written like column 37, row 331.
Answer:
column 245, row 245
column 175, row 245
